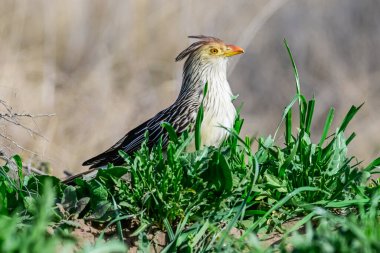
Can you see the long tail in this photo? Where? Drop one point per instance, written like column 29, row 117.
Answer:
column 89, row 173
column 103, row 159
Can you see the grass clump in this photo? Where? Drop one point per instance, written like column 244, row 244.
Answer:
column 30, row 221
column 358, row 232
column 28, row 233
column 301, row 162
column 220, row 199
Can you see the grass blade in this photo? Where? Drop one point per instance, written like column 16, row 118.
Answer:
column 374, row 164
column 350, row 138
column 351, row 113
column 298, row 88
column 198, row 121
column 288, row 127
column 309, row 115
column 200, row 233
column 300, row 223
column 263, row 219
column 329, row 119
column 169, row 229
column 301, row 99
column 144, row 225
column 172, row 134
column 286, row 111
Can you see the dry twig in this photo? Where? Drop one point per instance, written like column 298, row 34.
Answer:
column 13, row 118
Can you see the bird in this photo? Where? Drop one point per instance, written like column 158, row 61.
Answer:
column 205, row 64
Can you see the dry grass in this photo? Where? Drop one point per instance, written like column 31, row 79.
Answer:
column 103, row 67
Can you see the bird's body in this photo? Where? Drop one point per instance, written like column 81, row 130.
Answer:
column 206, row 63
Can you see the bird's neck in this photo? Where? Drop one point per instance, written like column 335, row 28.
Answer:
column 198, row 72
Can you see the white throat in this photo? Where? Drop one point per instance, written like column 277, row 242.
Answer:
column 218, row 108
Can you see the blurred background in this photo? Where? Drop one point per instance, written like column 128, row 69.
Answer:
column 102, row 67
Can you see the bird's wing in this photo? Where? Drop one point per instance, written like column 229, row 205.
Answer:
column 132, row 141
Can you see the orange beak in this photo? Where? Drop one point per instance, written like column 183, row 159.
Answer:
column 233, row 50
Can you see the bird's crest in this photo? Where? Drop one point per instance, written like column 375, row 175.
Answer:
column 196, row 45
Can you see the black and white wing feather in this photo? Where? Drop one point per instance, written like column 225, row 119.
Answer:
column 132, row 141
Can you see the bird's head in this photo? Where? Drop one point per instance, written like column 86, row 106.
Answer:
column 209, row 49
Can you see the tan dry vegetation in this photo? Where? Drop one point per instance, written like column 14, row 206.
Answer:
column 105, row 66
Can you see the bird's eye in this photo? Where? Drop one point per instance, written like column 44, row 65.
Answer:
column 213, row 51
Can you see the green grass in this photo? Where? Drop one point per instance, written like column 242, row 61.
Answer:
column 30, row 221
column 199, row 198
column 357, row 232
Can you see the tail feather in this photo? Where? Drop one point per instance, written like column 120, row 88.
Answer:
column 97, row 159
column 132, row 141
column 89, row 173
column 104, row 159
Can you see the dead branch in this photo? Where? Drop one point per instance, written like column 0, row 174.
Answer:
column 12, row 118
